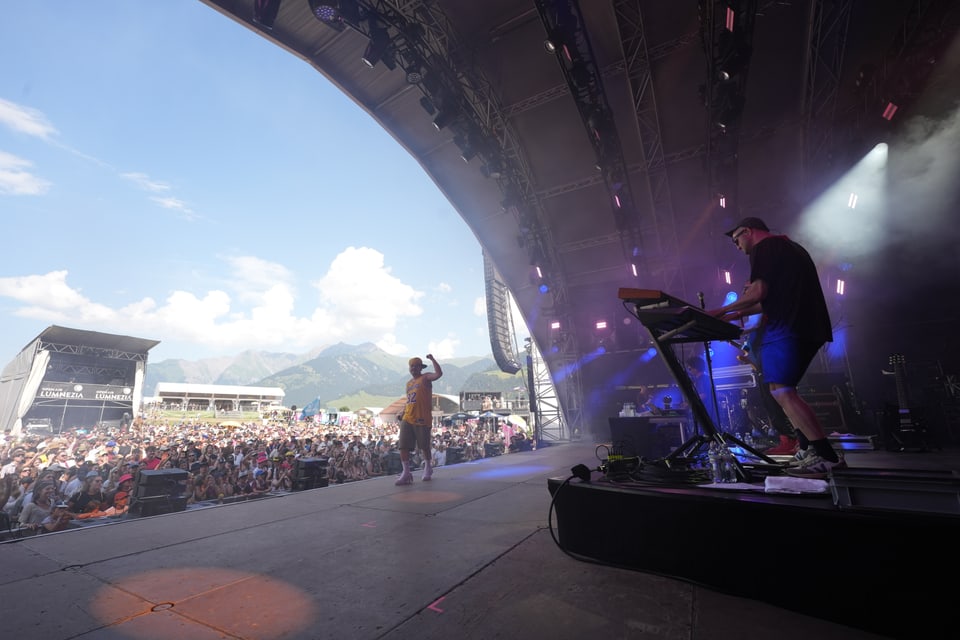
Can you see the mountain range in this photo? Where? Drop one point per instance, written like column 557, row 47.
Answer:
column 340, row 375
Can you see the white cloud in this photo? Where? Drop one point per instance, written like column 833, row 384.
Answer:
column 25, row 120
column 15, row 180
column 480, row 306
column 358, row 301
column 175, row 204
column 443, row 287
column 442, row 349
column 143, row 181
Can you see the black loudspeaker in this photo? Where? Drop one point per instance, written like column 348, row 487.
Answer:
column 159, row 491
column 160, row 482
column 394, row 465
column 454, row 455
column 491, row 449
column 309, row 473
column 158, row 505
column 641, row 436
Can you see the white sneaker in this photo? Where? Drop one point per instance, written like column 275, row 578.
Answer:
column 798, row 458
column 813, row 466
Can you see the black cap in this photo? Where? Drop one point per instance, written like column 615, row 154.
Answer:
column 749, row 223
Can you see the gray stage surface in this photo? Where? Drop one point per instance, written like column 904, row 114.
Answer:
column 469, row 555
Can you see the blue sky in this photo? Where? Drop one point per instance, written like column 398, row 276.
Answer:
column 168, row 174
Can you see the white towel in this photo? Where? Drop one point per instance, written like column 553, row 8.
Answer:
column 789, row 484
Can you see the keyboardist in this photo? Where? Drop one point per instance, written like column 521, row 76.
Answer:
column 785, row 287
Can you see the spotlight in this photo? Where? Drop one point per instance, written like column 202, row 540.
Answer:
column 492, row 169
column 735, row 63
column 427, row 105
column 444, row 118
column 554, row 41
column 336, row 14
column 414, row 76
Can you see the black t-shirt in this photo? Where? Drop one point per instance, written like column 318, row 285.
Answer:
column 83, row 502
column 794, row 306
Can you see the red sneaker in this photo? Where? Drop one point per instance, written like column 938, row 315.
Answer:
column 787, row 447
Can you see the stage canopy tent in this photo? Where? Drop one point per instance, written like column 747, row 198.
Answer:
column 68, row 378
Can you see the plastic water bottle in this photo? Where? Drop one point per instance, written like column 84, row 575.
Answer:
column 716, row 464
column 728, row 465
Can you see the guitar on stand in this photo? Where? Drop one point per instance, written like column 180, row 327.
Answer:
column 903, row 427
column 671, row 321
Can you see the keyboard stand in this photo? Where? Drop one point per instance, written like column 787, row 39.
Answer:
column 682, row 325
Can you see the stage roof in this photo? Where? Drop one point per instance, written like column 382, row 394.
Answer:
column 80, row 337
column 611, row 152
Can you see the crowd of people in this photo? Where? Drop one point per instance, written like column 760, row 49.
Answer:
column 56, row 482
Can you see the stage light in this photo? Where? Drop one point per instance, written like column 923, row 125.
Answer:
column 730, row 298
column 889, row 112
column 554, row 41
column 265, row 12
column 444, row 118
column 555, row 325
column 467, row 146
column 727, row 277
column 543, row 288
column 731, row 16
column 852, row 201
column 723, row 201
column 633, row 270
column 376, row 50
column 492, row 168
column 841, row 287
column 733, row 64
column 427, row 105
column 327, row 12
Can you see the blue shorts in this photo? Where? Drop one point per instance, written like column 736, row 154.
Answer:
column 785, row 361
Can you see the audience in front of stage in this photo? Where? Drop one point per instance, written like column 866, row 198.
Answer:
column 93, row 471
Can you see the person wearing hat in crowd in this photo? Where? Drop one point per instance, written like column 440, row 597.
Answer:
column 12, row 466
column 151, row 461
column 417, row 418
column 121, row 497
column 785, row 288
column 58, row 520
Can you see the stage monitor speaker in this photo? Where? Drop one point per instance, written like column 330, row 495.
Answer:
column 454, row 455
column 644, row 437
column 157, row 505
column 160, row 482
column 309, row 473
column 394, row 466
column 491, row 449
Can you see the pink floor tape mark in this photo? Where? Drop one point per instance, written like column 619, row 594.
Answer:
column 434, row 607
column 371, row 525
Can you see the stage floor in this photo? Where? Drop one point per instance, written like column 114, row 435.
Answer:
column 469, row 555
